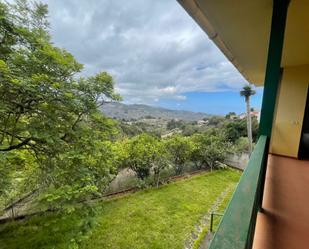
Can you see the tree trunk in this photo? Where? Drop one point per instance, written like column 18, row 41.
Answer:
column 158, row 179
column 249, row 125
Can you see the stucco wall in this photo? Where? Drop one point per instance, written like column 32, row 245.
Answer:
column 239, row 161
column 290, row 111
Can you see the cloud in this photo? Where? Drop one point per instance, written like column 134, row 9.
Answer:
column 180, row 97
column 153, row 49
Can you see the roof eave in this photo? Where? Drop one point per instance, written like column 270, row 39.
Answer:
column 195, row 12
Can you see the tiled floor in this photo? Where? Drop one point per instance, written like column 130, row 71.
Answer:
column 284, row 224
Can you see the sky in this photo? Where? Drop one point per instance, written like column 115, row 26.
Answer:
column 154, row 50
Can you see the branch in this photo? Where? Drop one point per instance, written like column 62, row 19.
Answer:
column 79, row 118
column 17, row 146
column 103, row 102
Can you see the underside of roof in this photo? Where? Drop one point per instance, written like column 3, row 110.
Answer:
column 241, row 30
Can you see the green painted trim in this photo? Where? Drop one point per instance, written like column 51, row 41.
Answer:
column 273, row 70
column 236, row 229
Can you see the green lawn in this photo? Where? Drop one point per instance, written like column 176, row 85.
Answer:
column 154, row 218
column 216, row 219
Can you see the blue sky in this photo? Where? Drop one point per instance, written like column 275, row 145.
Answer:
column 213, row 102
column 154, row 50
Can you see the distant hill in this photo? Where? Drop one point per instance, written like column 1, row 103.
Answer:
column 122, row 111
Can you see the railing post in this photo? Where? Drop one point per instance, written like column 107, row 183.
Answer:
column 262, row 179
column 273, row 67
column 211, row 221
column 272, row 77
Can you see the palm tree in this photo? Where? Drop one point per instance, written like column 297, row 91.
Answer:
column 247, row 92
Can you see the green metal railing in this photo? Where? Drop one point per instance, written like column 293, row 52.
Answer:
column 237, row 226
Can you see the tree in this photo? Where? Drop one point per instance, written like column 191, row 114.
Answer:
column 161, row 162
column 142, row 153
column 189, row 129
column 215, row 121
column 208, row 149
column 230, row 115
column 180, row 151
column 247, row 92
column 48, row 112
column 234, row 129
column 174, row 123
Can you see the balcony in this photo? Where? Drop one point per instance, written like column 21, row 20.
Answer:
column 281, row 219
column 284, row 220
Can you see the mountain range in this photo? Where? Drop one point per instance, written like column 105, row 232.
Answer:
column 137, row 111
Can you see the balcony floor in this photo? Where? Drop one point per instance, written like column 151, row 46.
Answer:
column 284, row 224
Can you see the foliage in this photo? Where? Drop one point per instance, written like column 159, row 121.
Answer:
column 189, row 129
column 162, row 161
column 241, row 145
column 144, row 152
column 173, row 124
column 129, row 130
column 209, row 148
column 215, row 121
column 230, row 115
column 237, row 128
column 247, row 91
column 180, row 151
column 47, row 111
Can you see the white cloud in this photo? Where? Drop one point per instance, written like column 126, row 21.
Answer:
column 180, row 97
column 153, row 49
column 168, row 90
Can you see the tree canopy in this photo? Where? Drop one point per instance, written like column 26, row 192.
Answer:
column 143, row 153
column 180, row 149
column 48, row 114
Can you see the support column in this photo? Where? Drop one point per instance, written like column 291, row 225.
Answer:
column 271, row 84
column 273, row 69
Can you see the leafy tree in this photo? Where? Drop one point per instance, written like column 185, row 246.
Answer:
column 255, row 129
column 180, row 151
column 129, row 129
column 162, row 161
column 241, row 145
column 189, row 129
column 230, row 115
column 142, row 154
column 208, row 150
column 47, row 110
column 235, row 129
column 173, row 124
column 215, row 121
column 247, row 92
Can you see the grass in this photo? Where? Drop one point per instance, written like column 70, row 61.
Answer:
column 221, row 208
column 149, row 219
column 216, row 219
